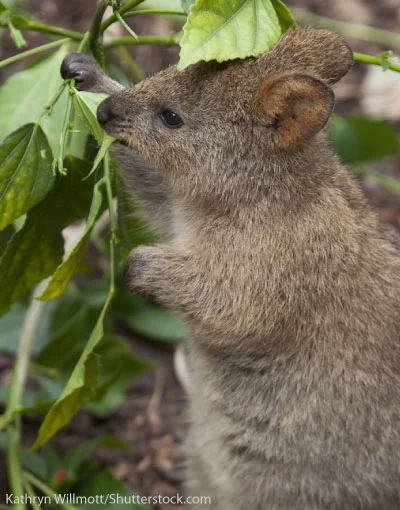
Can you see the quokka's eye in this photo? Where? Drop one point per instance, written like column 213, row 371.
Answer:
column 171, row 119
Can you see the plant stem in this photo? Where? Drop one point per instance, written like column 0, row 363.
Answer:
column 18, row 380
column 112, row 19
column 94, row 37
column 31, row 493
column 377, row 61
column 58, row 162
column 43, row 487
column 13, row 463
column 113, row 223
column 49, row 29
column 383, row 181
column 167, row 12
column 137, row 73
column 125, row 25
column 33, row 51
column 143, row 39
column 354, row 30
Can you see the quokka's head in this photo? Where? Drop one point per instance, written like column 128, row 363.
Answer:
column 213, row 126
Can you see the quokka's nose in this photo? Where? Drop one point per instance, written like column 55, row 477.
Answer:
column 104, row 112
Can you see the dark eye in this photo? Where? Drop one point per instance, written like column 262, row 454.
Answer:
column 171, row 119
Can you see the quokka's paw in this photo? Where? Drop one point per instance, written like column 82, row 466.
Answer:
column 141, row 270
column 82, row 68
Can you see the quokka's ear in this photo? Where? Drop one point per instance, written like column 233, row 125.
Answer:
column 294, row 106
column 321, row 53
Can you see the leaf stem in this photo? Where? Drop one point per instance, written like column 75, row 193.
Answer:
column 125, row 25
column 58, row 162
column 43, row 487
column 113, row 223
column 18, row 380
column 377, row 61
column 31, row 493
column 137, row 73
column 112, row 19
column 383, row 181
column 33, row 51
column 353, row 30
column 143, row 39
column 36, row 26
column 49, row 29
column 94, row 37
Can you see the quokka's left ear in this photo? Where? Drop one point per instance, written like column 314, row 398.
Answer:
column 294, row 106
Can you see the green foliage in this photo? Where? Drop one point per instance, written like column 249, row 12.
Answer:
column 81, row 386
column 219, row 30
column 55, row 170
column 25, row 169
column 358, row 138
column 34, row 252
column 187, row 4
column 66, row 270
column 154, row 322
column 25, row 95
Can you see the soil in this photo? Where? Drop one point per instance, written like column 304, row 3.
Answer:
column 152, row 418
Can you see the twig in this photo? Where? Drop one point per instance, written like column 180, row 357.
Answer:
column 48, row 491
column 33, row 51
column 376, row 61
column 136, row 72
column 31, row 493
column 383, row 181
column 18, row 380
column 143, row 39
column 112, row 19
column 354, row 30
column 36, row 26
column 94, row 37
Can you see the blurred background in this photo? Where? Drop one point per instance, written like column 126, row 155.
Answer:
column 142, row 421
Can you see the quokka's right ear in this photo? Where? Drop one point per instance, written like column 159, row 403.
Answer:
column 293, row 107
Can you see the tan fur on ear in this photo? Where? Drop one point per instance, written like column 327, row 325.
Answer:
column 295, row 106
column 320, row 53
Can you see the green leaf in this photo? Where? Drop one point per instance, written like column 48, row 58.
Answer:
column 5, row 236
column 80, row 387
column 3, row 8
column 133, row 230
column 107, row 485
column 34, row 252
column 85, row 104
column 220, row 30
column 154, row 322
column 30, row 461
column 118, row 369
column 76, row 394
column 66, row 270
column 359, row 138
column 25, row 172
column 105, row 145
column 25, row 95
column 187, row 4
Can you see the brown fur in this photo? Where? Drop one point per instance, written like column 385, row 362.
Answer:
column 289, row 290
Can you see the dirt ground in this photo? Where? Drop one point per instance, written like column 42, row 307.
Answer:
column 152, row 418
